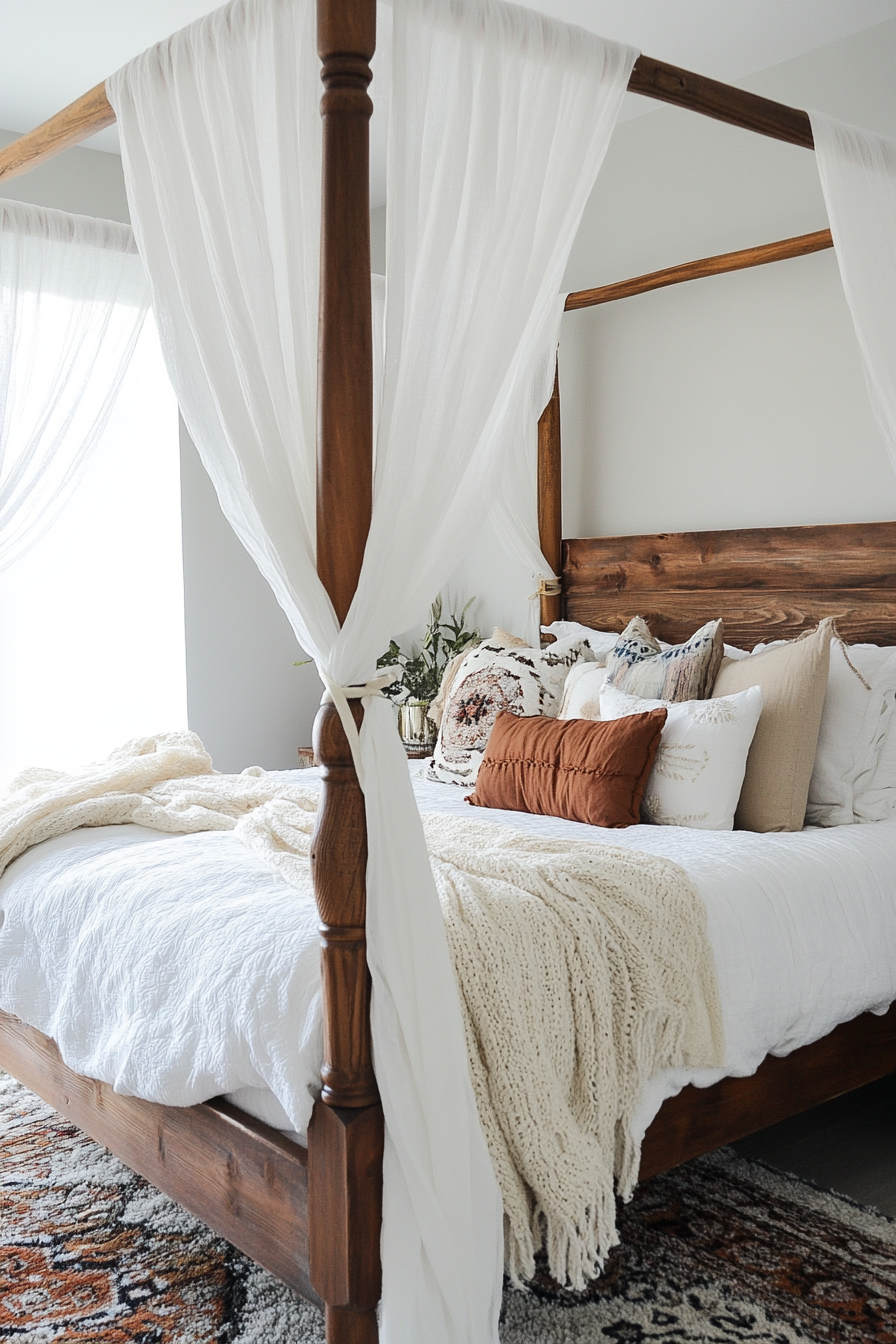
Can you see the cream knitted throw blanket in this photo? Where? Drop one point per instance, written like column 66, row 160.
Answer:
column 583, row 969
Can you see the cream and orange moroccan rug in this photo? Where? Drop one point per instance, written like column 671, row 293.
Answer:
column 722, row 1251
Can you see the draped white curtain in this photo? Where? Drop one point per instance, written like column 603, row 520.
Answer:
column 858, row 178
column 73, row 296
column 514, row 515
column 499, row 120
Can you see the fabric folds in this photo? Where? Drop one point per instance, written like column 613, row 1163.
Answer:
column 499, row 120
column 73, row 296
column 858, row 178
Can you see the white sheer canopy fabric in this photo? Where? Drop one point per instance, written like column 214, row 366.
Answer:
column 73, row 297
column 514, row 515
column 499, row 120
column 858, row 178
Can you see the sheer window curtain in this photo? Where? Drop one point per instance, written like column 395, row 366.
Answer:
column 73, row 297
column 499, row 120
column 858, row 178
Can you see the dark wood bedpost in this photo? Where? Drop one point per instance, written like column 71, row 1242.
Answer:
column 550, row 503
column 345, row 1138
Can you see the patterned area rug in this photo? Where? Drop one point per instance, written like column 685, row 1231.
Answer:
column 723, row 1251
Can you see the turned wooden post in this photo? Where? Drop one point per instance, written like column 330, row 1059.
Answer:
column 345, row 1138
column 550, row 502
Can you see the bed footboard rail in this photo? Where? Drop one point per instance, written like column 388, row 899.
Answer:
column 248, row 1182
column 701, row 1119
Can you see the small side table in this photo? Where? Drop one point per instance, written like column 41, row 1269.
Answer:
column 306, row 758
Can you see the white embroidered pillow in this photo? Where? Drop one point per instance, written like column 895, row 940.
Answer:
column 699, row 768
column 493, row 677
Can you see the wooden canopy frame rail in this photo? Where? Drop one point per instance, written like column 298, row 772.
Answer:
column 313, row 1216
column 550, row 480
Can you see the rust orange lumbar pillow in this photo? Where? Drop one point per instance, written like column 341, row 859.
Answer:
column 574, row 768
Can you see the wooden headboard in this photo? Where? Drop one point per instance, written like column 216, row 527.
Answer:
column 765, row 582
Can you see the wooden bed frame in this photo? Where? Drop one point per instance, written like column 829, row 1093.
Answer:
column 312, row 1216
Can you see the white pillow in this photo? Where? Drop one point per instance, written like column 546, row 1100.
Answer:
column 581, row 692
column 699, row 769
column 599, row 641
column 602, row 641
column 877, row 800
column 854, row 777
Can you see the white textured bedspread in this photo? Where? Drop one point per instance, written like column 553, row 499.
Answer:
column 802, row 926
column 180, row 967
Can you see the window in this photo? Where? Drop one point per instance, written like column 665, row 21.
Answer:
column 92, row 617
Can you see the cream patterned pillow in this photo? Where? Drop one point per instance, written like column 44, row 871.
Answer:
column 638, row 666
column 699, row 768
column 491, row 678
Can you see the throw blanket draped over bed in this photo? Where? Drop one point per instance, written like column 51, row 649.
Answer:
column 583, row 969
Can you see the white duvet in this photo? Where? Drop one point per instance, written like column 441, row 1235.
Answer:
column 178, row 968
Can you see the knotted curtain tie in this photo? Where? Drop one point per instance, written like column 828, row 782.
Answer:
column 340, row 696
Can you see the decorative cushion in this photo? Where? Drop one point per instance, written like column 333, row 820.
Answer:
column 493, row 677
column 581, row 694
column 583, row 771
column 504, row 637
column 638, row 666
column 699, row 767
column 852, row 779
column 452, row 667
column 794, row 678
column 600, row 642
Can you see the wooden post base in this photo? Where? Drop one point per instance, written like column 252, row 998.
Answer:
column 346, row 1326
column 345, row 1194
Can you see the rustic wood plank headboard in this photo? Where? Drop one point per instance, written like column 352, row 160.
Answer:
column 765, row 582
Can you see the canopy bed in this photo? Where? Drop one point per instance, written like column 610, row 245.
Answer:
column 313, row 1215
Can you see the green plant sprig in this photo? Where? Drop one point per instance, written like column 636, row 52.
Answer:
column 421, row 669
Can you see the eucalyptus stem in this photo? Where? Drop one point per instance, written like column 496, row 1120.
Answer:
column 422, row 668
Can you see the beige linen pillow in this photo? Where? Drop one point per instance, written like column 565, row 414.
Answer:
column 794, row 679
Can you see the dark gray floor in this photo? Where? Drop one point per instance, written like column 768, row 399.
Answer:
column 848, row 1145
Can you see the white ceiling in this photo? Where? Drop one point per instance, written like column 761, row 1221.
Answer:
column 54, row 50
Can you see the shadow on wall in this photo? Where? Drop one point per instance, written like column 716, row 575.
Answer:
column 245, row 699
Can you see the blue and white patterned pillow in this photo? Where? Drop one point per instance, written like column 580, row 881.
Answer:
column 638, row 666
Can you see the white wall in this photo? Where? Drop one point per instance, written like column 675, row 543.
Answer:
column 736, row 401
column 245, row 699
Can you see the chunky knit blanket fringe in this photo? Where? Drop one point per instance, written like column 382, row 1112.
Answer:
column 583, row 969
